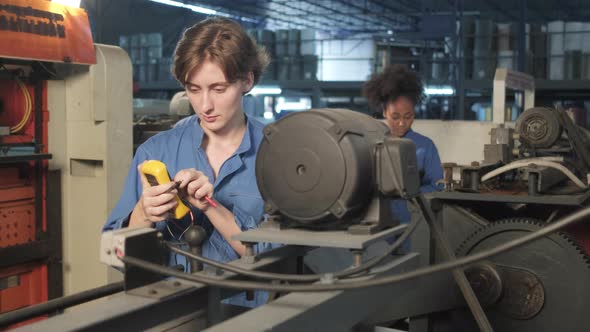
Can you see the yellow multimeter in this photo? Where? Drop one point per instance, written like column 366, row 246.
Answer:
column 155, row 172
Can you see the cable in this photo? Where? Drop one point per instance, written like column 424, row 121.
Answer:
column 301, row 277
column 28, row 108
column 380, row 281
column 536, row 161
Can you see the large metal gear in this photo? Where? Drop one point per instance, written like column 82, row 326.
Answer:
column 542, row 286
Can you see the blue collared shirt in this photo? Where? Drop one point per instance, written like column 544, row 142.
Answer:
column 235, row 188
column 430, row 169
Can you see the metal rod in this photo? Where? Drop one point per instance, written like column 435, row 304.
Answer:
column 533, row 183
column 357, row 257
column 39, row 146
column 58, row 304
column 196, row 266
column 458, row 274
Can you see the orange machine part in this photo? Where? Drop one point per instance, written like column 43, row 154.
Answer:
column 46, row 31
column 21, row 286
column 17, row 208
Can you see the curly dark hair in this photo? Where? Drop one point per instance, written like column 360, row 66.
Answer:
column 395, row 81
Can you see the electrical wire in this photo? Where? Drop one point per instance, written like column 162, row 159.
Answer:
column 539, row 162
column 303, row 277
column 28, row 108
column 379, row 281
column 28, row 103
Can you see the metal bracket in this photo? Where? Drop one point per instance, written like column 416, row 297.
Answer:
column 161, row 289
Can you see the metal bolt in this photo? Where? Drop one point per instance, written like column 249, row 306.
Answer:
column 357, row 257
column 152, row 292
column 267, row 207
column 249, row 249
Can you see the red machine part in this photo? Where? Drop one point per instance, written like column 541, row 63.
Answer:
column 14, row 110
column 18, row 104
column 17, row 208
column 21, row 286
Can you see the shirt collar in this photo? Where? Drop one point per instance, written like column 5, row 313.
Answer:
column 408, row 133
column 245, row 145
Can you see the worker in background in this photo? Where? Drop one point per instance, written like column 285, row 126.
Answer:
column 212, row 153
column 396, row 92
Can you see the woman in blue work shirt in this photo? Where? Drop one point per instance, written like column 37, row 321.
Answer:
column 212, row 154
column 395, row 92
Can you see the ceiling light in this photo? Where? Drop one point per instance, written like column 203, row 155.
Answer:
column 266, row 90
column 69, row 3
column 439, row 91
column 194, row 8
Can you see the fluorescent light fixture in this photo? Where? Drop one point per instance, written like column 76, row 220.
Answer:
column 70, row 3
column 439, row 91
column 293, row 104
column 194, row 8
column 266, row 90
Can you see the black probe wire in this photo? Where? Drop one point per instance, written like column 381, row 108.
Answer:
column 379, row 281
column 303, row 277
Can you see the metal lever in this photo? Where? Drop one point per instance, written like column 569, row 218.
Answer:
column 458, row 274
column 194, row 236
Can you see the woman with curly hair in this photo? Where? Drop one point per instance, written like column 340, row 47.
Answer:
column 395, row 92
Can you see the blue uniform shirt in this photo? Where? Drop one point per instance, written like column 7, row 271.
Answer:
column 235, row 188
column 430, row 169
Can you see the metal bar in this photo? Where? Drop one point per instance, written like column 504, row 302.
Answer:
column 322, row 311
column 59, row 304
column 54, row 228
column 38, row 86
column 460, row 7
column 569, row 200
column 25, row 157
column 337, row 12
column 395, row 11
column 22, row 253
column 458, row 274
column 361, row 9
column 126, row 312
column 241, row 8
column 522, row 36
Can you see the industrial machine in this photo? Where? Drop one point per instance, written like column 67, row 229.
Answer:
column 496, row 256
column 59, row 135
column 531, row 176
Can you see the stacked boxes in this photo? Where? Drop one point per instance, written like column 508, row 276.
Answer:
column 145, row 51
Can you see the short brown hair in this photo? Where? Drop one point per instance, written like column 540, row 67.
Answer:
column 395, row 81
column 224, row 42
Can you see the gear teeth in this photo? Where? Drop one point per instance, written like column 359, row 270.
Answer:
column 462, row 248
column 494, row 224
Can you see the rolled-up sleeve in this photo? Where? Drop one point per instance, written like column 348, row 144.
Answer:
column 432, row 170
column 119, row 217
column 247, row 222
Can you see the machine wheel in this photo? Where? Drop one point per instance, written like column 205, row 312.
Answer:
column 542, row 286
column 538, row 127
